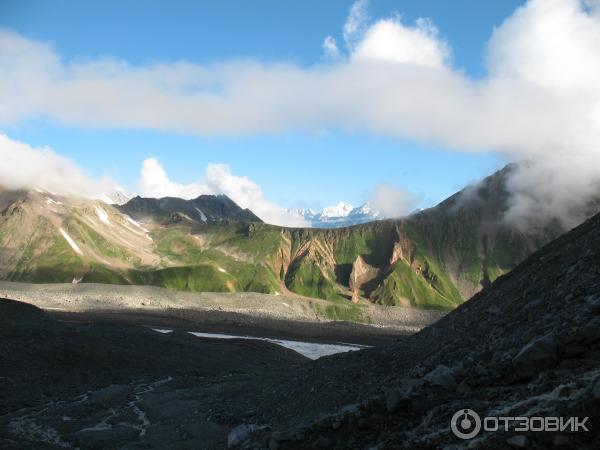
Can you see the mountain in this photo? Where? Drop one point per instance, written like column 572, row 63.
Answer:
column 205, row 209
column 338, row 216
column 435, row 258
column 342, row 209
column 527, row 346
column 116, row 197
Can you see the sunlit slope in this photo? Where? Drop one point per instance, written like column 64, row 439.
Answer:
column 433, row 259
column 46, row 237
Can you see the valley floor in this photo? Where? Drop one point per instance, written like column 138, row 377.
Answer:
column 94, row 385
column 82, row 366
column 251, row 313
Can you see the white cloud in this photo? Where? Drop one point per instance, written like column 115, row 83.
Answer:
column 356, row 22
column 330, row 48
column 25, row 167
column 392, row 201
column 154, row 182
column 390, row 40
column 539, row 102
column 217, row 179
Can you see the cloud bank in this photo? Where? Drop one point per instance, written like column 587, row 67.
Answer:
column 392, row 201
column 539, row 102
column 25, row 167
column 217, row 179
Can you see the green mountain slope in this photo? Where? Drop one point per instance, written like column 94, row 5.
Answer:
column 433, row 259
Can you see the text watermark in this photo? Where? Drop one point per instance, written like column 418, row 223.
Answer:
column 466, row 424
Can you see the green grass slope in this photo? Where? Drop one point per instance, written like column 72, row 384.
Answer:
column 433, row 259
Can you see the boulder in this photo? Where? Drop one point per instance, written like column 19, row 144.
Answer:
column 596, row 389
column 590, row 332
column 464, row 389
column 441, row 376
column 537, row 355
column 395, row 399
column 518, row 441
column 240, row 433
column 322, row 442
column 592, row 302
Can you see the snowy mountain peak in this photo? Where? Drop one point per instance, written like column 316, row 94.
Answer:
column 340, row 215
column 116, row 197
column 342, row 209
column 365, row 210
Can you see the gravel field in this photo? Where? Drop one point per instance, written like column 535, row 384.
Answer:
column 208, row 308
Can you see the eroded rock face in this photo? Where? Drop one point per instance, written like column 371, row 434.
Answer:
column 361, row 274
column 403, row 249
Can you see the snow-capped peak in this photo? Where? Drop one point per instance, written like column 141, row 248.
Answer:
column 342, row 209
column 365, row 210
column 116, row 197
column 340, row 215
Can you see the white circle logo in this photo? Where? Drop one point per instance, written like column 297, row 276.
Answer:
column 465, row 423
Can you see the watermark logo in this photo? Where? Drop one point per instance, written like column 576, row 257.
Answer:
column 466, row 424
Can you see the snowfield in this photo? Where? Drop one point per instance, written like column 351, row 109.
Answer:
column 311, row 350
column 102, row 215
column 202, row 215
column 71, row 242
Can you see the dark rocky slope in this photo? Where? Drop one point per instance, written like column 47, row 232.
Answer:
column 102, row 367
column 202, row 210
column 528, row 345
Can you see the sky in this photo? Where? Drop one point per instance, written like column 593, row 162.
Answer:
column 302, row 104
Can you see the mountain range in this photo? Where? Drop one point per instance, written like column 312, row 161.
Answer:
column 338, row 216
column 435, row 258
column 525, row 347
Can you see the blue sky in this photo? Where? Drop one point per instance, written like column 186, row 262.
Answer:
column 296, row 168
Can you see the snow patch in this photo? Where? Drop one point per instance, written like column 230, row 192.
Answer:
column 202, row 215
column 137, row 224
column 50, row 201
column 162, row 330
column 311, row 350
column 129, row 219
column 222, row 270
column 102, row 215
column 137, row 232
column 71, row 242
